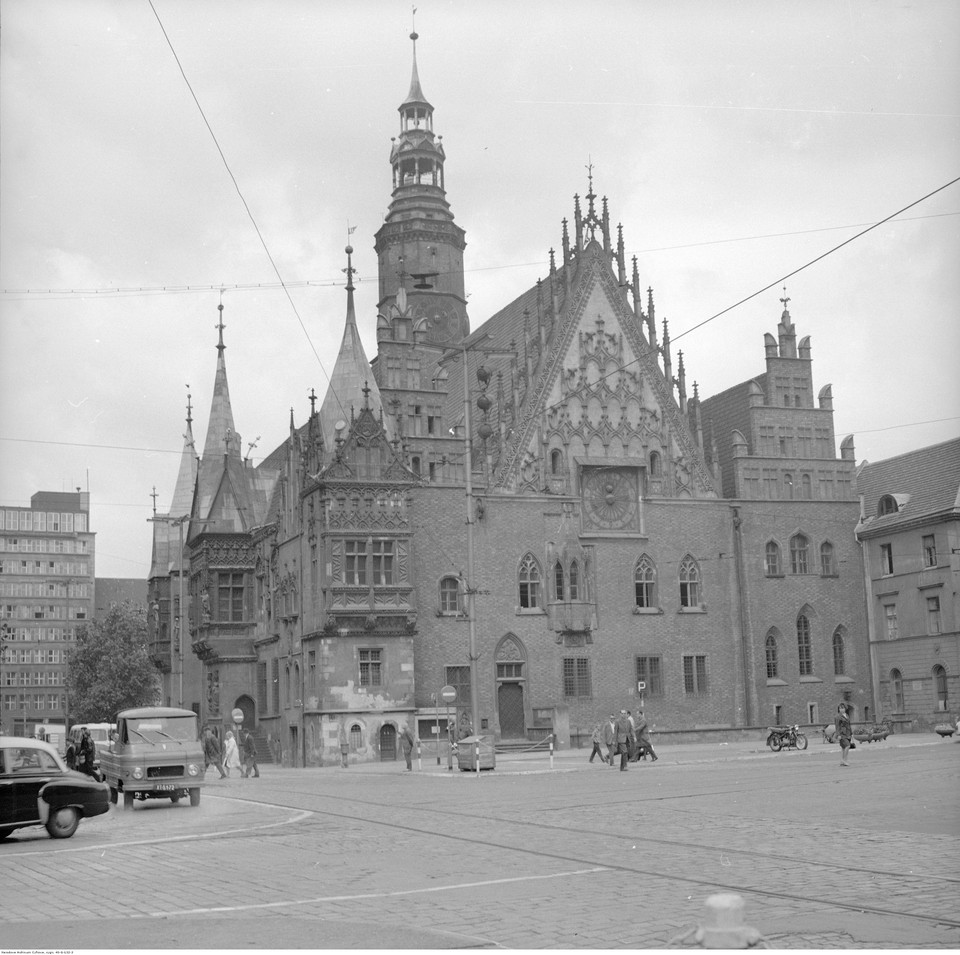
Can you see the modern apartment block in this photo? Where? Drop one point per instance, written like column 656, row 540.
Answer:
column 46, row 591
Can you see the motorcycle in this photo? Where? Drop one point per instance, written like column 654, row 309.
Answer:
column 786, row 737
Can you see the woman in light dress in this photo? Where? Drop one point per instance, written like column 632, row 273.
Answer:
column 231, row 755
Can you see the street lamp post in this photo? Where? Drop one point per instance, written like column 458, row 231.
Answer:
column 469, row 584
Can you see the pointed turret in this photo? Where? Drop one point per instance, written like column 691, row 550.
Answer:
column 166, row 557
column 351, row 375
column 419, row 237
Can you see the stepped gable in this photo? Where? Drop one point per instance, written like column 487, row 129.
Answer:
column 923, row 482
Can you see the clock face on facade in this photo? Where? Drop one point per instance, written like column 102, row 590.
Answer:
column 610, row 498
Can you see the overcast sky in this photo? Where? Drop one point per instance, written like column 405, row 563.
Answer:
column 735, row 141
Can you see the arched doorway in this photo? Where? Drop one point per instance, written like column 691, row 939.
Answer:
column 388, row 742
column 510, row 661
column 249, row 708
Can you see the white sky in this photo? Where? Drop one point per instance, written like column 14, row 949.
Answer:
column 735, row 141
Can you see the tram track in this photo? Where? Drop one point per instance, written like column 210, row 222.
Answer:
column 365, row 811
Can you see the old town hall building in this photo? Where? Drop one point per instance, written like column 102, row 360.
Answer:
column 541, row 513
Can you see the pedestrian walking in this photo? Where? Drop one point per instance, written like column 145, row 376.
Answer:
column 249, row 755
column 844, row 733
column 644, row 746
column 597, row 739
column 633, row 736
column 86, row 753
column 231, row 754
column 624, row 739
column 610, row 737
column 406, row 744
column 212, row 754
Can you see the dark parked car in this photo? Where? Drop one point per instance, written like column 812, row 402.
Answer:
column 37, row 789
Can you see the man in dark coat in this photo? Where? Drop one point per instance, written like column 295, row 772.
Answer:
column 624, row 739
column 406, row 744
column 86, row 753
column 212, row 754
column 644, row 745
column 249, row 749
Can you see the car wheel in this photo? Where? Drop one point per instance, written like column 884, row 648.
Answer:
column 113, row 795
column 63, row 822
column 194, row 797
column 127, row 800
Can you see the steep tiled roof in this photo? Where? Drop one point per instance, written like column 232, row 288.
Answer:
column 929, row 476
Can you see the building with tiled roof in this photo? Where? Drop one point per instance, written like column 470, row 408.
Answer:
column 910, row 534
column 527, row 526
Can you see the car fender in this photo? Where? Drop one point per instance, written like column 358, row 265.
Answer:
column 73, row 793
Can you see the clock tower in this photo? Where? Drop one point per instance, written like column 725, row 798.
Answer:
column 419, row 247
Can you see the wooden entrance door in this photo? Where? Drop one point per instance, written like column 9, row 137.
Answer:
column 510, row 707
column 388, row 742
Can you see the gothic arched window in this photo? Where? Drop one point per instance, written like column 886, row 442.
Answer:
column 574, row 581
column 827, row 566
column 689, row 583
column 940, row 683
column 770, row 647
column 529, row 582
column 772, row 559
column 804, row 646
column 839, row 653
column 896, row 687
column 558, row 580
column 645, row 582
column 655, row 464
column 799, row 547
column 556, row 461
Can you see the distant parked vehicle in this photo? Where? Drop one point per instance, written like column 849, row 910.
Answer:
column 37, row 789
column 786, row 737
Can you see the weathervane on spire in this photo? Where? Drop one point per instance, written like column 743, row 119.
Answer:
column 413, row 23
column 785, row 298
column 589, row 168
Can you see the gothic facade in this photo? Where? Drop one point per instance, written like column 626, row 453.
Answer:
column 539, row 513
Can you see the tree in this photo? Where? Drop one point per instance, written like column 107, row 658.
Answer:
column 110, row 669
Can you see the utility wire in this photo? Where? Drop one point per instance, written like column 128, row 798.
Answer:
column 783, row 278
column 175, row 289
column 250, row 215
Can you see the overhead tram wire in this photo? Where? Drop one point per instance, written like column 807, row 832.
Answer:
column 174, row 289
column 783, row 278
column 673, row 338
column 253, row 221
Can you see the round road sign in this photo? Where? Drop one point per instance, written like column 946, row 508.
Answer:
column 448, row 694
column 237, row 715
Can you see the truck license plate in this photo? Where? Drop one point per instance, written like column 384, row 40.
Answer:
column 165, row 787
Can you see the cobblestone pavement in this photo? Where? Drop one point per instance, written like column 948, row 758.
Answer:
column 532, row 855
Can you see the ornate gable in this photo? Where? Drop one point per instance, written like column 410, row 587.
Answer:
column 602, row 395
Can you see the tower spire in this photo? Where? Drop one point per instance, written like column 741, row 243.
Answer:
column 418, row 229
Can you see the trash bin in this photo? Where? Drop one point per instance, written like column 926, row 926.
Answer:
column 467, row 753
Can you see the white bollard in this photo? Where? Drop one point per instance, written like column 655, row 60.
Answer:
column 723, row 923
